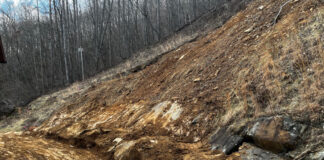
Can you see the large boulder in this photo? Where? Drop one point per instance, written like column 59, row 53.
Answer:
column 277, row 134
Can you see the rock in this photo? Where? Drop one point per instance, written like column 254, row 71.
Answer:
column 246, row 38
column 318, row 156
column 197, row 119
column 260, row 7
column 197, row 80
column 181, row 57
column 248, row 152
column 154, row 141
column 124, row 150
column 225, row 141
column 248, row 30
column 277, row 134
column 196, row 139
column 117, row 140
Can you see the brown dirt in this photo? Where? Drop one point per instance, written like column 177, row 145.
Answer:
column 247, row 69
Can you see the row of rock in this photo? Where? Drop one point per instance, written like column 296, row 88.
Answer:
column 265, row 138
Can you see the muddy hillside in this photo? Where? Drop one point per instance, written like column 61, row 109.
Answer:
column 251, row 89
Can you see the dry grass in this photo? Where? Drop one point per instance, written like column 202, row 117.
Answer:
column 260, row 73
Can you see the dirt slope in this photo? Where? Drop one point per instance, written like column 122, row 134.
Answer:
column 40, row 109
column 252, row 89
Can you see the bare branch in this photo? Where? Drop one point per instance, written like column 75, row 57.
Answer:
column 277, row 16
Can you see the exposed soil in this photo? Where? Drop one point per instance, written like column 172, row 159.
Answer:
column 249, row 68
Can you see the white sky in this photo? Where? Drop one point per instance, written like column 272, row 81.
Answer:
column 15, row 2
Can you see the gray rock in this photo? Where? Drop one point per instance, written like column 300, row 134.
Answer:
column 251, row 152
column 197, row 119
column 225, row 141
column 318, row 156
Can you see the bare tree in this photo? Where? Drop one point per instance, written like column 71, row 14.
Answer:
column 42, row 44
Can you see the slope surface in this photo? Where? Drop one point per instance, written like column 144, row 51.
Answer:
column 40, row 109
column 257, row 80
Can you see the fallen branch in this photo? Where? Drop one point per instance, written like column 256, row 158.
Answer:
column 277, row 16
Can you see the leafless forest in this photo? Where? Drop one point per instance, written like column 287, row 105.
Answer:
column 69, row 41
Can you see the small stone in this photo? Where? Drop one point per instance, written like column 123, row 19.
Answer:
column 197, row 80
column 111, row 148
column 246, row 38
column 248, row 30
column 182, row 57
column 217, row 72
column 196, row 139
column 197, row 119
column 261, row 7
column 153, row 141
column 117, row 140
